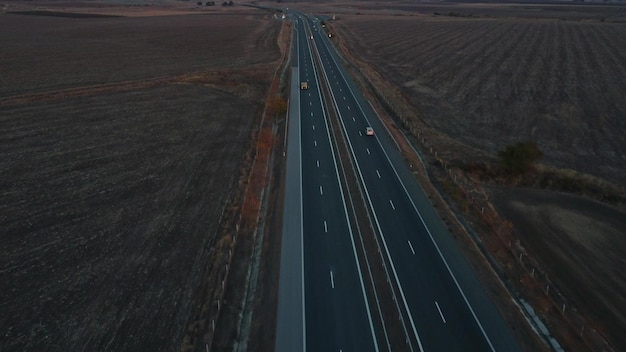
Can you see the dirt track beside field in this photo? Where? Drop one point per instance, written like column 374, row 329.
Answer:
column 581, row 243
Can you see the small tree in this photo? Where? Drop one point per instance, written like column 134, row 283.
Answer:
column 518, row 158
column 277, row 106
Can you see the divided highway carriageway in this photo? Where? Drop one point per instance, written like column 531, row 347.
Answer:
column 409, row 289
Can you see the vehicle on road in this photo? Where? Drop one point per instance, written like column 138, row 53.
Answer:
column 369, row 131
column 304, row 85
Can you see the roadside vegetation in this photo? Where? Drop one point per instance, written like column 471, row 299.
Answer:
column 519, row 158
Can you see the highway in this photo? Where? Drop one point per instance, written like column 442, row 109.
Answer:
column 444, row 305
column 336, row 314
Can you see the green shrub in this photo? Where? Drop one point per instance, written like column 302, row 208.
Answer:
column 518, row 158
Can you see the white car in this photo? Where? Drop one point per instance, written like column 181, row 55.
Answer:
column 369, row 131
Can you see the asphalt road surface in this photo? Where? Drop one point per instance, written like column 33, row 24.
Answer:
column 446, row 306
column 336, row 316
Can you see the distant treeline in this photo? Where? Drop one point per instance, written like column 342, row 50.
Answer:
column 61, row 14
column 212, row 3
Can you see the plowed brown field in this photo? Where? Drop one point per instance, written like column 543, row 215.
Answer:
column 43, row 53
column 118, row 160
column 493, row 82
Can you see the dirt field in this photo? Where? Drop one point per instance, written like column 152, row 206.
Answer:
column 478, row 77
column 581, row 242
column 118, row 158
column 109, row 206
column 492, row 82
column 89, row 51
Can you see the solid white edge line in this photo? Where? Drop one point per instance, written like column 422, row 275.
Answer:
column 425, row 226
column 302, row 231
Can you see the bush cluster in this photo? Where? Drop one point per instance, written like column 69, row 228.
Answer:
column 519, row 158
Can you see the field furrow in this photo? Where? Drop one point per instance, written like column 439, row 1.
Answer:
column 94, row 193
column 494, row 51
column 611, row 60
column 117, row 163
column 444, row 59
column 136, row 53
column 491, row 81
